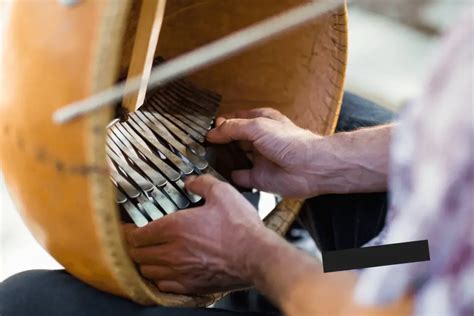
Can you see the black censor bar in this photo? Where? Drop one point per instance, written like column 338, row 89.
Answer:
column 358, row 258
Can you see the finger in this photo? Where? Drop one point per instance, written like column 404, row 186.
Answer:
column 155, row 232
column 234, row 129
column 268, row 113
column 203, row 185
column 254, row 113
column 171, row 287
column 128, row 228
column 220, row 120
column 243, row 178
column 260, row 176
column 158, row 272
column 151, row 255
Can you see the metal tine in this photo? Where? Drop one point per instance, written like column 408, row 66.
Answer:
column 192, row 122
column 197, row 161
column 197, row 97
column 198, row 133
column 172, row 93
column 139, row 180
column 145, row 131
column 197, row 94
column 164, row 127
column 127, row 130
column 169, row 172
column 111, row 145
column 206, row 114
column 177, row 197
column 126, row 146
column 135, row 214
column 158, row 196
column 136, row 139
column 151, row 173
column 179, row 118
column 209, row 107
column 115, row 150
column 120, row 197
column 193, row 92
column 187, row 112
column 158, row 127
column 191, row 196
column 128, row 149
column 163, row 201
column 122, row 183
column 206, row 92
column 149, row 208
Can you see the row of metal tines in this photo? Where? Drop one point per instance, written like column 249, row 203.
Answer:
column 152, row 152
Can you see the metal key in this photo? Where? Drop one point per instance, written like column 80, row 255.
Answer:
column 170, row 173
column 197, row 161
column 191, row 129
column 156, row 178
column 135, row 214
column 145, row 131
column 149, row 208
column 163, row 201
column 137, row 178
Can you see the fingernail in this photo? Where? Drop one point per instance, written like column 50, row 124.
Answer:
column 219, row 121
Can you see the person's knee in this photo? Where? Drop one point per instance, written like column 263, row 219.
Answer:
column 20, row 293
column 357, row 112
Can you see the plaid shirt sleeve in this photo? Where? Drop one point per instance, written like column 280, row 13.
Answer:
column 432, row 186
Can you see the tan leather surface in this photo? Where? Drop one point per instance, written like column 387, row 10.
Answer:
column 53, row 54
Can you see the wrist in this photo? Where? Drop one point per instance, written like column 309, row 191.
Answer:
column 325, row 166
column 350, row 162
column 264, row 249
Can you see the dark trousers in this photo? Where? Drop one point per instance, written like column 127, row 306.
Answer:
column 334, row 221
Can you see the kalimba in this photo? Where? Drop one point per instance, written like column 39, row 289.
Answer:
column 66, row 179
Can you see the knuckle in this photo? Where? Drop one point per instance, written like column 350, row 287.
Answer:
column 226, row 187
column 259, row 123
column 271, row 111
column 214, row 189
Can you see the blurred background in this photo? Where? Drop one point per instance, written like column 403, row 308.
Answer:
column 391, row 45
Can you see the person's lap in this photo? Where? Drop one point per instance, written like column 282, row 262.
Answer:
column 334, row 221
column 56, row 292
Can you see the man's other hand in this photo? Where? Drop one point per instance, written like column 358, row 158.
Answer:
column 202, row 249
column 281, row 151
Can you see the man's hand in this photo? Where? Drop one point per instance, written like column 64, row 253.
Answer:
column 280, row 151
column 199, row 250
column 295, row 162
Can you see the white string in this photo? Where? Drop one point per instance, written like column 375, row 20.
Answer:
column 200, row 57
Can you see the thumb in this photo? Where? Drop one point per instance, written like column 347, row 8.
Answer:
column 203, row 185
column 232, row 130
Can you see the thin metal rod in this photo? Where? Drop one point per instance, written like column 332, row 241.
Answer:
column 201, row 57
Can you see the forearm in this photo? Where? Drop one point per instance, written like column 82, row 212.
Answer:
column 351, row 162
column 295, row 281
